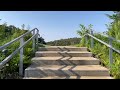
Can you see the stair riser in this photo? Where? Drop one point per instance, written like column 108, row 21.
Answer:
column 78, row 77
column 71, row 77
column 43, row 73
column 65, row 62
column 62, row 49
column 63, row 54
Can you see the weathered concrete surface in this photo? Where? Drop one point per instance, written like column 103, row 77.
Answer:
column 65, row 70
column 73, row 77
column 63, row 54
column 64, row 48
column 65, row 62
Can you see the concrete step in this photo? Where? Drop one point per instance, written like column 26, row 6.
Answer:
column 64, row 48
column 38, row 61
column 64, row 70
column 72, row 77
column 63, row 54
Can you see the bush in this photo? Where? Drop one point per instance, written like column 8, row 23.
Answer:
column 11, row 69
column 102, row 52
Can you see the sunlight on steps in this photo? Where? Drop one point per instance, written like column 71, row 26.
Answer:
column 65, row 62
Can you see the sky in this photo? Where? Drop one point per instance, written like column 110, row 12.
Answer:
column 54, row 25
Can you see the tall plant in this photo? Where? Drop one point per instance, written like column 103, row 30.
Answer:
column 82, row 31
column 114, row 27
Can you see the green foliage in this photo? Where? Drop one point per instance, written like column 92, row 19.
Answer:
column 102, row 52
column 41, row 40
column 64, row 42
column 8, row 33
column 83, row 30
column 115, row 16
column 114, row 27
column 77, row 45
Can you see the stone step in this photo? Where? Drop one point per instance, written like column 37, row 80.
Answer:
column 63, row 70
column 63, row 54
column 38, row 61
column 72, row 77
column 62, row 48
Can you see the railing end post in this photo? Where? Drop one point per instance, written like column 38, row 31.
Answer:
column 21, row 57
column 86, row 39
column 110, row 52
column 92, row 41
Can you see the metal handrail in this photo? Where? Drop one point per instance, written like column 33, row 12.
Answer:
column 110, row 37
column 22, row 44
column 111, row 48
column 118, row 51
column 16, row 39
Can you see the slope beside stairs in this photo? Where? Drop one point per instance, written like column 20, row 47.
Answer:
column 65, row 62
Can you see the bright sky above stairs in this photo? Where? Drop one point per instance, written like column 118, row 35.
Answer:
column 55, row 25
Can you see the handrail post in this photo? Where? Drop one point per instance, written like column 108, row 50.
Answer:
column 92, row 42
column 86, row 39
column 37, row 39
column 21, row 57
column 110, row 52
column 33, row 45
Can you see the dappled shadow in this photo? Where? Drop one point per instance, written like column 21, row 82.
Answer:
column 75, row 74
column 66, row 49
column 57, row 49
column 62, row 61
column 66, row 70
column 60, row 73
column 61, row 54
column 43, row 73
column 67, row 61
column 64, row 54
column 60, row 49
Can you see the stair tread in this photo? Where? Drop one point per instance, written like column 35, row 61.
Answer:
column 71, row 77
column 68, row 67
column 64, row 47
column 61, row 47
column 63, row 52
column 64, row 58
column 65, row 62
column 57, row 48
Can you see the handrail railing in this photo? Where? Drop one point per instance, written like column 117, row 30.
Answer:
column 110, row 37
column 111, row 48
column 22, row 44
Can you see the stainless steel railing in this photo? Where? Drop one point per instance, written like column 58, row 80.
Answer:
column 20, row 49
column 111, row 48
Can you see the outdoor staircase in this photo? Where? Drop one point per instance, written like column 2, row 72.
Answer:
column 65, row 62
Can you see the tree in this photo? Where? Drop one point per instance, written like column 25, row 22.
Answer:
column 114, row 27
column 41, row 40
column 23, row 26
column 83, row 30
column 28, row 27
column 65, row 42
column 12, row 69
column 12, row 28
column 115, row 16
